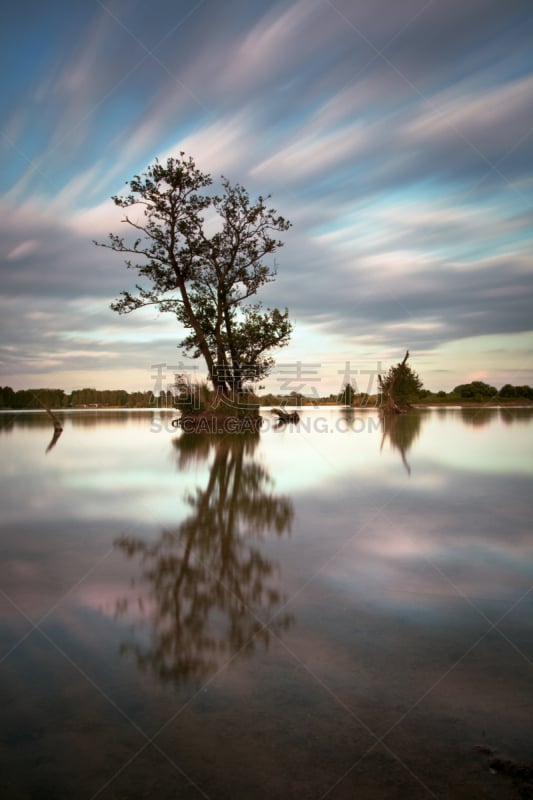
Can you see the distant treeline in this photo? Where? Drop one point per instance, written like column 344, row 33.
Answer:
column 79, row 398
column 479, row 391
column 475, row 392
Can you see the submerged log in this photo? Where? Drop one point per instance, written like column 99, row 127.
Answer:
column 285, row 416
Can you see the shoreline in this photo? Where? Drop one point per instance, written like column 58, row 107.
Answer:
column 310, row 406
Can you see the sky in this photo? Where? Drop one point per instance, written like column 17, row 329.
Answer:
column 395, row 135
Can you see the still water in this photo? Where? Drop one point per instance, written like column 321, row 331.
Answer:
column 334, row 610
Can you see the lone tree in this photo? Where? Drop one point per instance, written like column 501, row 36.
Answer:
column 400, row 385
column 204, row 270
column 348, row 395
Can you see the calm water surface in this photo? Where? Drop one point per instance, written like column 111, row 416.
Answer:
column 336, row 610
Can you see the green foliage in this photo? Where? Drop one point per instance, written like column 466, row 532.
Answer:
column 57, row 398
column 193, row 397
column 199, row 398
column 32, row 398
column 509, row 392
column 110, row 397
column 477, row 390
column 205, row 278
column 203, row 397
column 524, row 391
column 403, row 382
column 270, row 399
column 7, row 397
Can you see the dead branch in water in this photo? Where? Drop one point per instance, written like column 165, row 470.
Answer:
column 285, row 416
column 58, row 427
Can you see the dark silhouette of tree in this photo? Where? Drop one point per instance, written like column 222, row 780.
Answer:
column 477, row 390
column 400, row 385
column 204, row 278
column 7, row 397
column 347, row 395
column 206, row 587
column 509, row 392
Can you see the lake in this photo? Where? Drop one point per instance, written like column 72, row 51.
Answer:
column 331, row 610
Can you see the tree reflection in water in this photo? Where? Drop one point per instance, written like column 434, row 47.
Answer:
column 479, row 416
column 401, row 430
column 206, row 588
column 511, row 415
column 347, row 413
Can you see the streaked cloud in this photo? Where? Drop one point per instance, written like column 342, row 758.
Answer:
column 396, row 138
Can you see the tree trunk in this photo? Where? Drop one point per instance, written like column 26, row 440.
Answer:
column 218, row 384
column 237, row 377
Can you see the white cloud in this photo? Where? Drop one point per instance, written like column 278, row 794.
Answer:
column 311, row 153
column 270, row 44
column 98, row 221
column 220, row 147
column 23, row 249
column 492, row 118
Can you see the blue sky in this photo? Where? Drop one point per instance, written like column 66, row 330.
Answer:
column 396, row 136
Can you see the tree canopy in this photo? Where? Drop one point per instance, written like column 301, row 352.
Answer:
column 401, row 383
column 476, row 390
column 201, row 256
